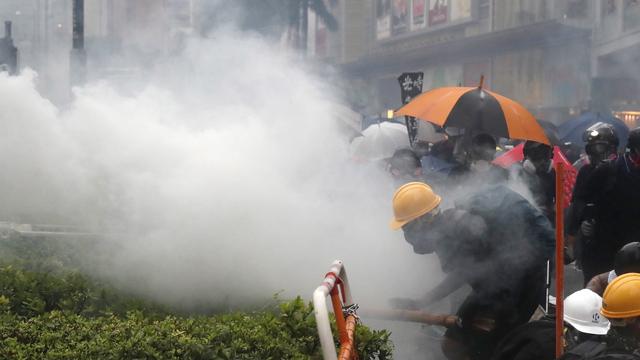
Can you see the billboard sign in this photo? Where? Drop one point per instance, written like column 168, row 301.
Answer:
column 399, row 17
column 383, row 19
column 438, row 12
column 418, row 14
column 460, row 9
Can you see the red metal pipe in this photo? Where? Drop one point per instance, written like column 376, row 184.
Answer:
column 559, row 258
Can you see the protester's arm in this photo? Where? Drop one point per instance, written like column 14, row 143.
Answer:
column 598, row 283
column 451, row 283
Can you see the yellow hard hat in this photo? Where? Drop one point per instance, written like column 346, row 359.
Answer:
column 621, row 299
column 411, row 201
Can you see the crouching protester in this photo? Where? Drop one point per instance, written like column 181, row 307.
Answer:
column 535, row 340
column 496, row 242
column 627, row 260
column 621, row 305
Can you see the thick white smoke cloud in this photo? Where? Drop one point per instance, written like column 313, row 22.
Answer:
column 226, row 174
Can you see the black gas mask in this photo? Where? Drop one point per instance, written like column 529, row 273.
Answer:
column 537, row 157
column 598, row 152
column 420, row 233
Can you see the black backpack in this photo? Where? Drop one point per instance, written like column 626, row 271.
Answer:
column 595, row 350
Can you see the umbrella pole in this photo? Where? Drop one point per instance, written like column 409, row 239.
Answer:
column 559, row 258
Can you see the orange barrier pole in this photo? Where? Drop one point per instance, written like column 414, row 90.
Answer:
column 559, row 258
column 348, row 349
column 337, row 310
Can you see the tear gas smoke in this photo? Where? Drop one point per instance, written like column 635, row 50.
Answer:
column 226, row 172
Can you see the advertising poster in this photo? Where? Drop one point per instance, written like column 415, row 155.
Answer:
column 383, row 19
column 418, row 14
column 438, row 12
column 460, row 9
column 400, row 17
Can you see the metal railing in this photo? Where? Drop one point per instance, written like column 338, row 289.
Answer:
column 336, row 285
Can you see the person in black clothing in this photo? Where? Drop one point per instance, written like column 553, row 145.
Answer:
column 601, row 146
column 620, row 306
column 495, row 241
column 613, row 193
column 538, row 174
column 535, row 340
column 476, row 167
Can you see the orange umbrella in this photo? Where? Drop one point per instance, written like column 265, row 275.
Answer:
column 475, row 108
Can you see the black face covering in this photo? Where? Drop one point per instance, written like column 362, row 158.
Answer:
column 598, row 152
column 418, row 235
column 542, row 165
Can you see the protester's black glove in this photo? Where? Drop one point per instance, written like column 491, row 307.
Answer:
column 404, row 303
column 568, row 255
column 588, row 228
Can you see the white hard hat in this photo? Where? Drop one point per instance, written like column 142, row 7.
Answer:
column 582, row 311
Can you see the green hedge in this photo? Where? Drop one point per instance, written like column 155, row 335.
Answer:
column 50, row 312
column 289, row 334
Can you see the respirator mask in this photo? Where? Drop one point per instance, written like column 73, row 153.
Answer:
column 419, row 233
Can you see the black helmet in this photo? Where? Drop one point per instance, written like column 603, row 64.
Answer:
column 601, row 141
column 537, row 151
column 633, row 143
column 627, row 259
column 601, row 133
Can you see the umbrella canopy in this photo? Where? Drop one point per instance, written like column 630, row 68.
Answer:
column 551, row 131
column 572, row 130
column 516, row 155
column 476, row 109
column 380, row 141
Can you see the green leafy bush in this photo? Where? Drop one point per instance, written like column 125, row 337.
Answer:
column 286, row 334
column 50, row 310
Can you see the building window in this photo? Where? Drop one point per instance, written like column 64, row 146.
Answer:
column 577, row 9
column 630, row 118
column 631, row 18
column 484, row 9
column 609, row 7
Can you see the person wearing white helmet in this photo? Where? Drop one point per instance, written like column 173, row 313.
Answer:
column 585, row 328
column 582, row 312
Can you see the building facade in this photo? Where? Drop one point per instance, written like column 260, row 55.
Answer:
column 121, row 36
column 557, row 57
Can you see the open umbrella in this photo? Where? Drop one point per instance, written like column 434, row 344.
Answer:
column 571, row 131
column 380, row 141
column 477, row 109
